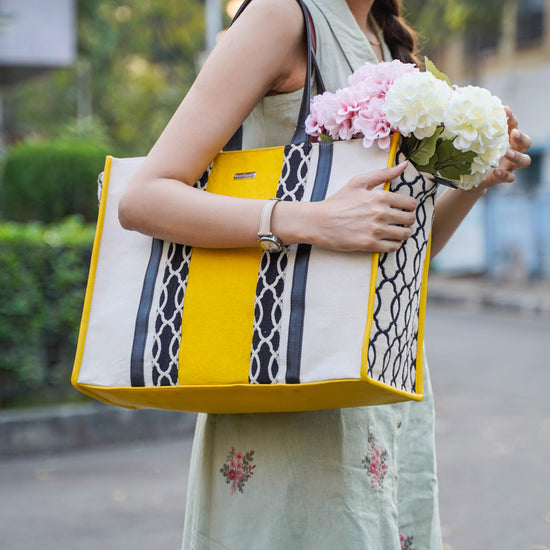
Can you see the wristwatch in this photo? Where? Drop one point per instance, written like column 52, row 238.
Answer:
column 266, row 239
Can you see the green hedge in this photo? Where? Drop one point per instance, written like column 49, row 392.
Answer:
column 43, row 273
column 49, row 181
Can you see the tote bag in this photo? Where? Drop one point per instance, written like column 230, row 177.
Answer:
column 170, row 326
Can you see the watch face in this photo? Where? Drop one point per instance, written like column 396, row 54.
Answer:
column 269, row 244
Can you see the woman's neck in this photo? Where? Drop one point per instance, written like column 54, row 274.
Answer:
column 360, row 10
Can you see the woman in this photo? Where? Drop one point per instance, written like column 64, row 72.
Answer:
column 350, row 478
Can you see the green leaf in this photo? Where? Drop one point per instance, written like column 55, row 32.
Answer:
column 431, row 68
column 425, row 149
column 429, row 167
column 409, row 145
column 324, row 137
column 451, row 162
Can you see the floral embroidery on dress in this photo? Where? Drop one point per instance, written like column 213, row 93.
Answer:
column 238, row 469
column 406, row 542
column 375, row 464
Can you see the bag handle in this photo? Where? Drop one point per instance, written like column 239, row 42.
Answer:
column 300, row 135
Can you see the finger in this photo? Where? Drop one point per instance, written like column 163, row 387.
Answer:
column 388, row 245
column 514, row 160
column 375, row 178
column 501, row 176
column 402, row 202
column 401, row 218
column 396, row 233
column 512, row 120
column 388, row 200
column 519, row 141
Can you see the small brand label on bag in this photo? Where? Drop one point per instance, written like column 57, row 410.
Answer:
column 244, row 175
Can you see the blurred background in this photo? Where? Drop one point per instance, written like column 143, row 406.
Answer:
column 82, row 79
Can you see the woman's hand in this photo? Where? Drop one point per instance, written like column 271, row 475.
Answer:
column 515, row 157
column 360, row 217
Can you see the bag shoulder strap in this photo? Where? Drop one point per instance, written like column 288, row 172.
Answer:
column 319, row 79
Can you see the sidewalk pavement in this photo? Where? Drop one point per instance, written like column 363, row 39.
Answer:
column 513, row 295
column 57, row 429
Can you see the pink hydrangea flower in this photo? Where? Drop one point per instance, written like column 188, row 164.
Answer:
column 348, row 102
column 374, row 79
column 370, row 121
column 322, row 112
column 357, row 110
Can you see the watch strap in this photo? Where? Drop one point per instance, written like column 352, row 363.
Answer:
column 265, row 218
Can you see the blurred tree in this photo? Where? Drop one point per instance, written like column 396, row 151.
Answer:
column 141, row 55
column 437, row 20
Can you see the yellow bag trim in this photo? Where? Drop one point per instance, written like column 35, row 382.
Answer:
column 246, row 398
column 421, row 319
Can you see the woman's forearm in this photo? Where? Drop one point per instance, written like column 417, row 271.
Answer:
column 451, row 209
column 171, row 210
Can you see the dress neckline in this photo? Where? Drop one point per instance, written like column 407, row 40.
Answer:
column 350, row 37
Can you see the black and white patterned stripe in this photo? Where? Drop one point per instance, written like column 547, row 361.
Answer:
column 393, row 344
column 264, row 354
column 168, row 314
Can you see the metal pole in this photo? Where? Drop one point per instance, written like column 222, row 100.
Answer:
column 83, row 92
column 3, row 144
column 214, row 25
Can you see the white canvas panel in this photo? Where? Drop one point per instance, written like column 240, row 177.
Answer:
column 338, row 285
column 350, row 158
column 106, row 359
column 336, row 312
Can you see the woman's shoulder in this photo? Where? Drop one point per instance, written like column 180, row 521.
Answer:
column 273, row 31
column 285, row 15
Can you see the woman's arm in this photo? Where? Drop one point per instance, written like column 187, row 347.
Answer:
column 264, row 51
column 454, row 204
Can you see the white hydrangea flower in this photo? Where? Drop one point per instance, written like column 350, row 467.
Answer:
column 478, row 122
column 416, row 103
column 470, row 180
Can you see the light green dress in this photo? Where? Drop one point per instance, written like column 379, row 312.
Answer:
column 361, row 478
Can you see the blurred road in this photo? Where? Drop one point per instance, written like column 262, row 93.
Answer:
column 491, row 375
column 115, row 498
column 493, row 437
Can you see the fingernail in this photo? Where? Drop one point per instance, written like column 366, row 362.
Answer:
column 516, row 133
column 511, row 154
column 499, row 174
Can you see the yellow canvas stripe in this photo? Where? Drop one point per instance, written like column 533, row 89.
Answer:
column 374, row 272
column 91, row 274
column 219, row 299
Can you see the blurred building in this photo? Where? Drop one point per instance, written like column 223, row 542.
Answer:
column 35, row 36
column 508, row 233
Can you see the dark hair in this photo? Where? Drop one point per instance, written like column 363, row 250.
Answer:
column 399, row 37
